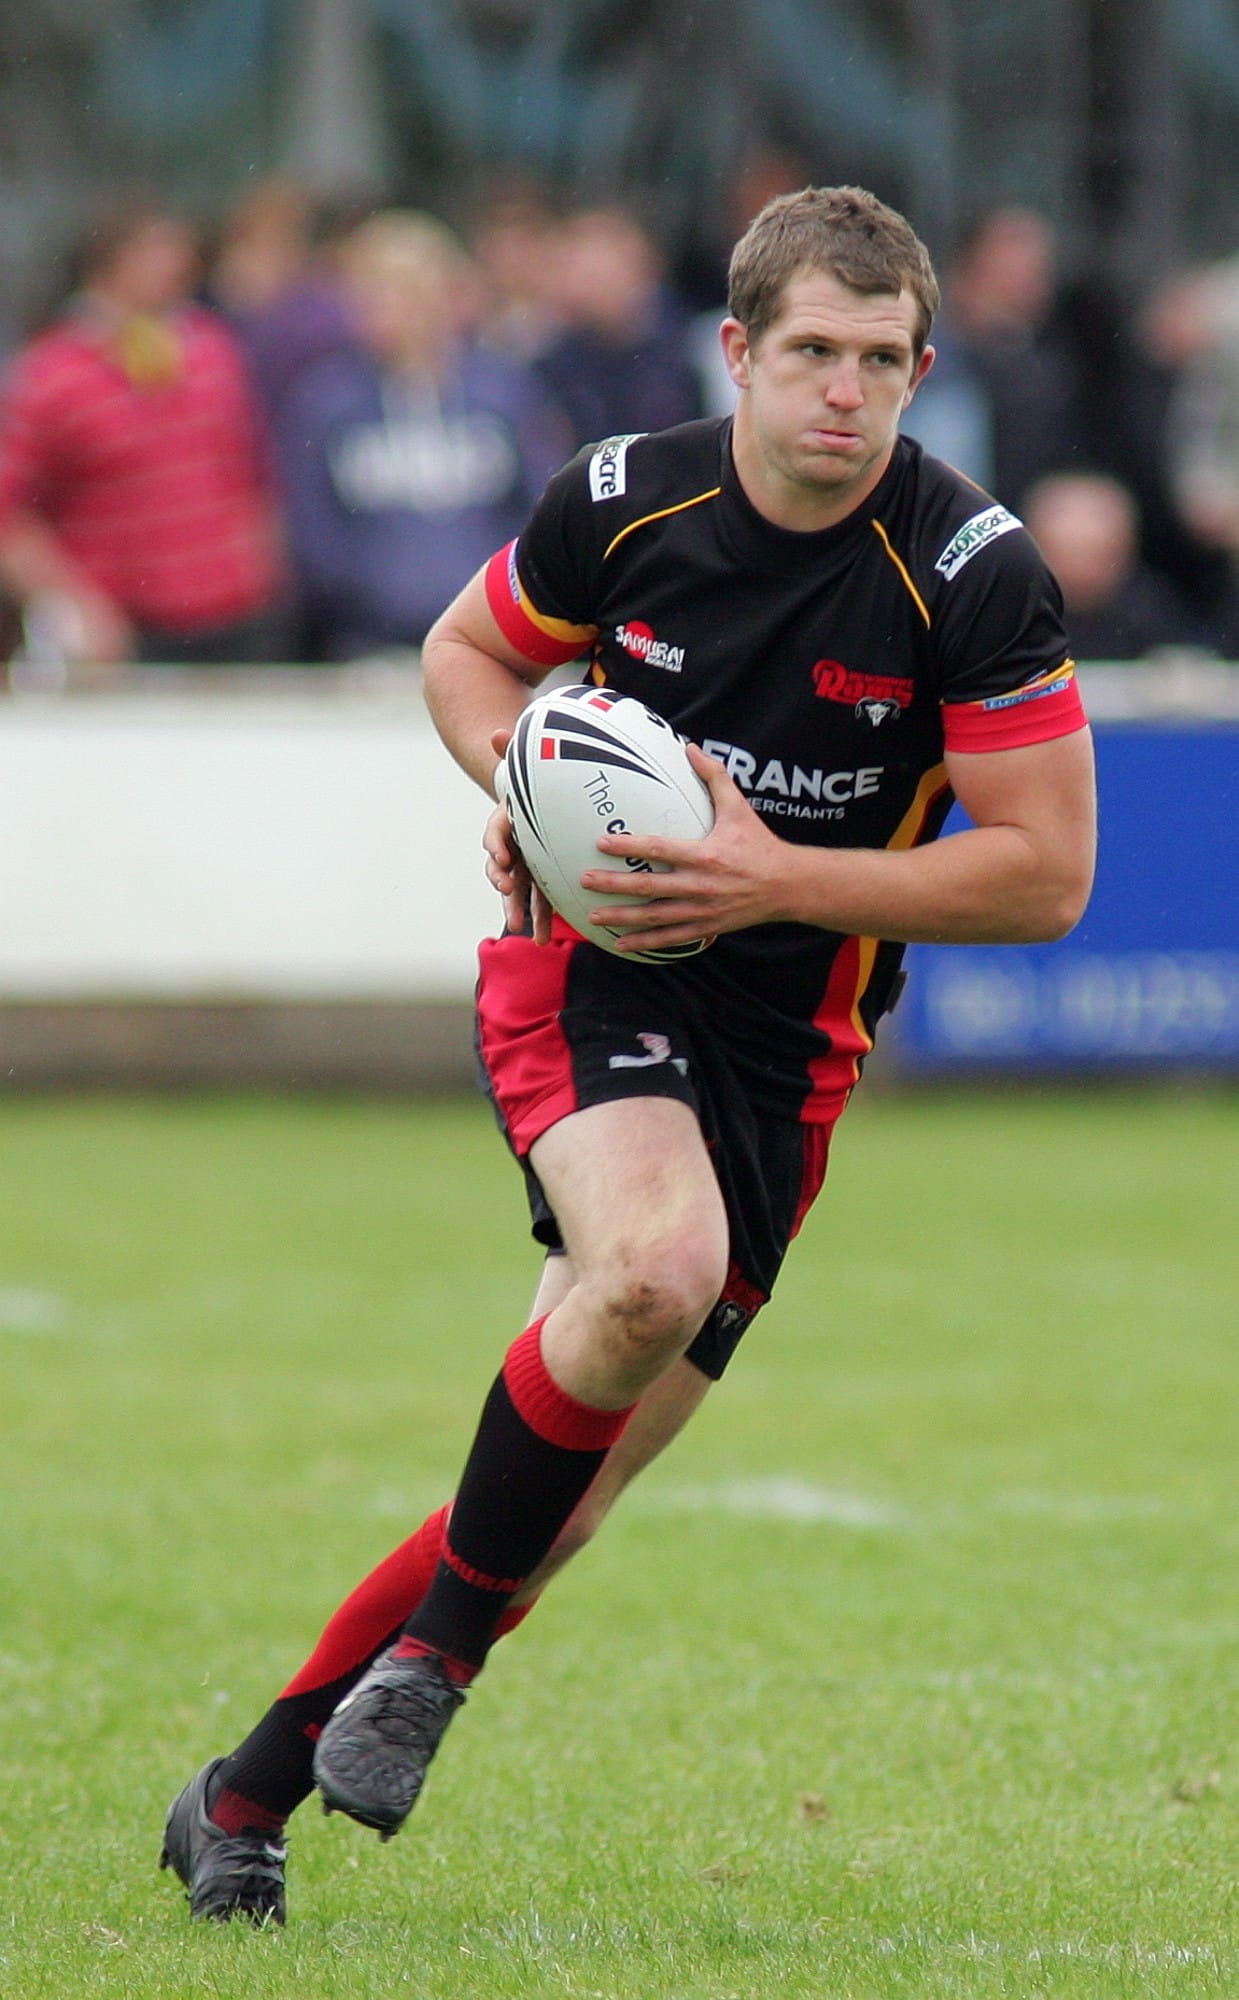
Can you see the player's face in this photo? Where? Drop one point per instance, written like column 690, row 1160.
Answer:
column 823, row 390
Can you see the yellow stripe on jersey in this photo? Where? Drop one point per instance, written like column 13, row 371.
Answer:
column 560, row 629
column 867, row 951
column 933, row 782
column 661, row 515
column 866, row 947
column 901, row 566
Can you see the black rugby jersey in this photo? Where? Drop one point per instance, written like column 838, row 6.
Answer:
column 828, row 671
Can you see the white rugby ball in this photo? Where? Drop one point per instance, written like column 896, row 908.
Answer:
column 584, row 761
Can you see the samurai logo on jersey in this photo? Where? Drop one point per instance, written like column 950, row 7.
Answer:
column 873, row 698
column 639, row 640
column 608, row 468
column 975, row 535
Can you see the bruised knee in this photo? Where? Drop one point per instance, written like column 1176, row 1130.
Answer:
column 657, row 1297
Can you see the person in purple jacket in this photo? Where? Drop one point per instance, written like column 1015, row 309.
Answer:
column 406, row 456
column 623, row 361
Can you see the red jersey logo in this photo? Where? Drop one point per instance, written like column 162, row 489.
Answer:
column 835, row 682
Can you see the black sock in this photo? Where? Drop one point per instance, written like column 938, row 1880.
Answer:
column 536, row 1452
column 273, row 1767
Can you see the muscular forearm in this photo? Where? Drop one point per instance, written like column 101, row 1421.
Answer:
column 987, row 885
column 1020, row 874
column 470, row 696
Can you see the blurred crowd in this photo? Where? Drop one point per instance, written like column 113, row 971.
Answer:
column 294, row 442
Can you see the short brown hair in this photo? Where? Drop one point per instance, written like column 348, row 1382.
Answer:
column 844, row 230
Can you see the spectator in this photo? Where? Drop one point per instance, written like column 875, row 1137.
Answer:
column 137, row 513
column 758, row 177
column 1137, row 359
column 514, row 240
column 275, row 276
column 1087, row 528
column 624, row 360
column 952, row 413
column 1203, row 418
column 410, row 455
column 1007, row 405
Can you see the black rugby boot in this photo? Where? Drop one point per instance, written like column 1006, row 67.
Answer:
column 371, row 1759
column 226, row 1874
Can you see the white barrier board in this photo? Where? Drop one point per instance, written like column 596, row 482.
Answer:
column 226, row 845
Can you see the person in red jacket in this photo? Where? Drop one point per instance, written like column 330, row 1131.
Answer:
column 137, row 510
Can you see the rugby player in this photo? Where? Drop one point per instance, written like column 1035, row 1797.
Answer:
column 854, row 635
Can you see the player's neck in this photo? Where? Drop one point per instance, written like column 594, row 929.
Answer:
column 791, row 504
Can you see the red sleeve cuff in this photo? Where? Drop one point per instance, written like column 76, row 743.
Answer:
column 551, row 642
column 1046, row 708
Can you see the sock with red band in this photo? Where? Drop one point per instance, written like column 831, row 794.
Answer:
column 536, row 1451
column 269, row 1774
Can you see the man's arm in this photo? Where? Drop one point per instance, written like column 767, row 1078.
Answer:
column 476, row 684
column 33, row 564
column 1020, row 875
column 476, row 681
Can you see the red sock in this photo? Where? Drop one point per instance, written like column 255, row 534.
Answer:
column 232, row 1813
column 269, row 1774
column 379, row 1605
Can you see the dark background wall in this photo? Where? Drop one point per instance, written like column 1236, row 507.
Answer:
column 1118, row 118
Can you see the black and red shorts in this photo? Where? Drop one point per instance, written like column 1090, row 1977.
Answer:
column 563, row 1026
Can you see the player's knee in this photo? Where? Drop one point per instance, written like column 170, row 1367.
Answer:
column 660, row 1296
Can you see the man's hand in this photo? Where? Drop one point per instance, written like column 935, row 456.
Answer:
column 733, row 878
column 1020, row 874
column 523, row 901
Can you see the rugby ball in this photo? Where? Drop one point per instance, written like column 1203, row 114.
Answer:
column 584, row 761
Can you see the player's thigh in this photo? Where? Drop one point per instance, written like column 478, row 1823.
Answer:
column 631, row 1181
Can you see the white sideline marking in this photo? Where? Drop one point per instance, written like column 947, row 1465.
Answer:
column 23, row 1309
column 774, row 1499
column 784, row 1497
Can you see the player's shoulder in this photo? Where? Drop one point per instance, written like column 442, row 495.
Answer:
column 953, row 534
column 637, row 473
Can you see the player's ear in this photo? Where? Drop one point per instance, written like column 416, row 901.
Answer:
column 919, row 373
column 736, row 351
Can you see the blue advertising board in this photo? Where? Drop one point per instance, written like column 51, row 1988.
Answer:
column 1151, row 974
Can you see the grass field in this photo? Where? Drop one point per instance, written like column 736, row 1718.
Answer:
column 911, row 1671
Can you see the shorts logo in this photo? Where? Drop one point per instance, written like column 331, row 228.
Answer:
column 872, row 698
column 975, row 535
column 638, row 640
column 608, row 468
column 657, row 1050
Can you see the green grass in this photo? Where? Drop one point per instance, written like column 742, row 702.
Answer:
column 911, row 1671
